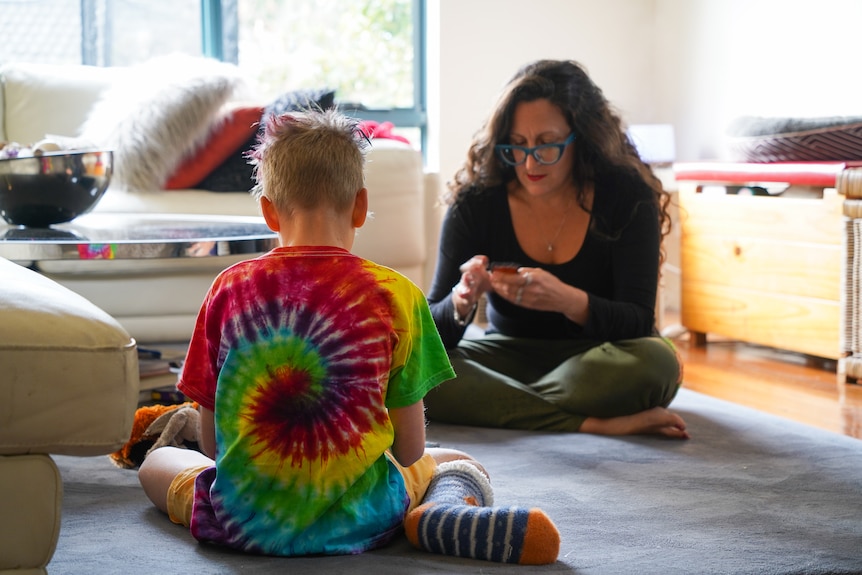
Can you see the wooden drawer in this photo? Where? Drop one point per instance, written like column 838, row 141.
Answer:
column 766, row 270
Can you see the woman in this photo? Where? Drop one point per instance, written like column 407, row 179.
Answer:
column 553, row 187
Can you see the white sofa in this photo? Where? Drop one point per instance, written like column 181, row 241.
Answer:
column 157, row 301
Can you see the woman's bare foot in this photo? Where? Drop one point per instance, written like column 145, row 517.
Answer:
column 655, row 421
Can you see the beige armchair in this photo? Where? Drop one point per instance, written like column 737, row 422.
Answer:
column 68, row 385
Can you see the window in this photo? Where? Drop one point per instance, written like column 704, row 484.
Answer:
column 98, row 32
column 370, row 52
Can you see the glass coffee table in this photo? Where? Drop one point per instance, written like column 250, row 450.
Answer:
column 92, row 238
column 137, row 236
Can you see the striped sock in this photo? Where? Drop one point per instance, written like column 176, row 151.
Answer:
column 457, row 518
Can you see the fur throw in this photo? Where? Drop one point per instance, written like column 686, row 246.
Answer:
column 159, row 112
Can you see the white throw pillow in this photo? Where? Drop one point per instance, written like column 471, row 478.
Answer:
column 43, row 98
column 157, row 113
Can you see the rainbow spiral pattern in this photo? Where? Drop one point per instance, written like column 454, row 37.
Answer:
column 295, row 352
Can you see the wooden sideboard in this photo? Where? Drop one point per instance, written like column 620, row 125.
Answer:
column 768, row 254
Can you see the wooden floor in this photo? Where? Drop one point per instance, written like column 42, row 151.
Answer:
column 791, row 385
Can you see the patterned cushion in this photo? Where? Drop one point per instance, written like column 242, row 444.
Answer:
column 796, row 139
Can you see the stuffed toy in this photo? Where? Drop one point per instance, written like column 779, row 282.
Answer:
column 155, row 426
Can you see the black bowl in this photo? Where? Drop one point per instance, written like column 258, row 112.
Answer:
column 52, row 188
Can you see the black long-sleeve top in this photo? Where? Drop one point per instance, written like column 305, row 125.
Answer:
column 617, row 266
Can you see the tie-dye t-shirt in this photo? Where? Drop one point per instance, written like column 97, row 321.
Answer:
column 298, row 353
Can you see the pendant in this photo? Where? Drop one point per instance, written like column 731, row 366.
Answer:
column 550, row 247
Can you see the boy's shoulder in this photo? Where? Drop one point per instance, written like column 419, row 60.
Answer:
column 388, row 274
column 279, row 257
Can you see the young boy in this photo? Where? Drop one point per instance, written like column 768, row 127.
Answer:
column 310, row 365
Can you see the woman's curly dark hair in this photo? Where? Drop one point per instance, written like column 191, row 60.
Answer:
column 602, row 145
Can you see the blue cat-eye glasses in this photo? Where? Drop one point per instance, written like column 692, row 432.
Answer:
column 545, row 154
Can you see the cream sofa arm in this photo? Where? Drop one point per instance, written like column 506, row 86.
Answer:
column 434, row 210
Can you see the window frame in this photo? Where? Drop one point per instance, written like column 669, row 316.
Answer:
column 217, row 15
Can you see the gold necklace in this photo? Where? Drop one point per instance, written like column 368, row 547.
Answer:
column 553, row 240
column 559, row 229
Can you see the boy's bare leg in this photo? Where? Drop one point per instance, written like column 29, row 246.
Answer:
column 161, row 466
column 443, row 454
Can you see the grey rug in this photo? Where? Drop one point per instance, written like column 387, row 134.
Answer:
column 749, row 493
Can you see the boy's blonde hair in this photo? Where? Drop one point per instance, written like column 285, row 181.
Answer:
column 308, row 159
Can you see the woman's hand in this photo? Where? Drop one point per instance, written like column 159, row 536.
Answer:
column 474, row 282
column 535, row 288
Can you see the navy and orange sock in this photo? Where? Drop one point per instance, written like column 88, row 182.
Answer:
column 458, row 518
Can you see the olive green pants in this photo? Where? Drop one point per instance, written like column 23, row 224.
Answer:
column 553, row 385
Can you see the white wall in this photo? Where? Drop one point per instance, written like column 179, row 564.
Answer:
column 725, row 58
column 696, row 64
column 483, row 42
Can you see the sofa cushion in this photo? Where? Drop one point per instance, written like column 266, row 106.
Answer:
column 45, row 99
column 381, row 130
column 235, row 127
column 70, row 371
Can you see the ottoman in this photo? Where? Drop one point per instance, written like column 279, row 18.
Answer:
column 68, row 385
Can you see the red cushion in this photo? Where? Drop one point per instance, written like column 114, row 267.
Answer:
column 382, row 130
column 821, row 174
column 238, row 125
